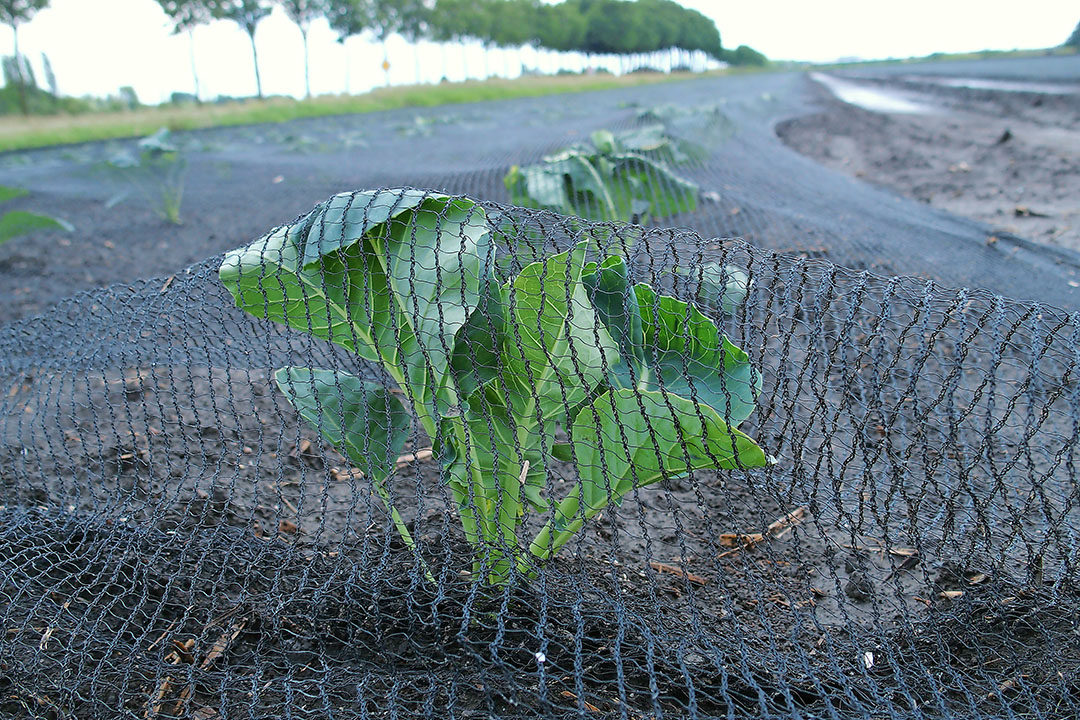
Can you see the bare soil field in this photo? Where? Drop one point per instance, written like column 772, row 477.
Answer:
column 1008, row 158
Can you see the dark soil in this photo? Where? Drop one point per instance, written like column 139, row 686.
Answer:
column 1009, row 159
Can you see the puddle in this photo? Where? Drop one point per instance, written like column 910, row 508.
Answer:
column 869, row 98
column 1002, row 85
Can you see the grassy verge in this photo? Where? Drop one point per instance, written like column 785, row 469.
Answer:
column 19, row 133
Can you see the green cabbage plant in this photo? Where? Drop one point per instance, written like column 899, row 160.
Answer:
column 566, row 362
column 20, row 222
column 626, row 177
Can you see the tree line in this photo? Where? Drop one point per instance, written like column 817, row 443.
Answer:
column 634, row 30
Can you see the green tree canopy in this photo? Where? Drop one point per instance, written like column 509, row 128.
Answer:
column 461, row 20
column 595, row 26
column 303, row 12
column 349, row 17
column 665, row 17
column 186, row 14
column 698, row 32
column 1074, row 39
column 561, row 27
column 387, row 17
column 513, row 22
column 640, row 26
column 746, row 55
column 245, row 13
column 16, row 12
column 612, row 26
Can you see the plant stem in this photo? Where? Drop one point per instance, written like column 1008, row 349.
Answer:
column 480, row 514
column 548, row 541
column 403, row 530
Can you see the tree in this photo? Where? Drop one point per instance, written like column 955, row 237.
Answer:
column 50, row 76
column 393, row 16
column 561, row 27
column 698, row 33
column 665, row 17
column 246, row 14
column 746, row 55
column 461, row 21
column 348, row 18
column 302, row 12
column 186, row 15
column 15, row 13
column 513, row 23
column 614, row 28
column 380, row 18
column 415, row 25
column 1074, row 39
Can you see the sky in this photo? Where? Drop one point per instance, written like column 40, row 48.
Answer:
column 97, row 46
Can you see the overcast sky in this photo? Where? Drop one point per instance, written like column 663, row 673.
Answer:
column 96, row 46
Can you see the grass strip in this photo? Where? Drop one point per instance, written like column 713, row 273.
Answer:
column 23, row 133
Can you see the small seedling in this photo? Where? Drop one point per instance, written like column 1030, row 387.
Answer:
column 156, row 173
column 626, row 177
column 21, row 222
column 707, row 123
column 642, row 386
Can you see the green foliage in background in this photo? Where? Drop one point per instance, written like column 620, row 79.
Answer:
column 626, row 177
column 156, row 172
column 642, row 385
column 15, row 13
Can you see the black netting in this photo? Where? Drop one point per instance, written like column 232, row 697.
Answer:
column 189, row 531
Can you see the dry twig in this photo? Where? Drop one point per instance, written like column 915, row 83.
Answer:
column 775, row 530
column 674, row 570
column 409, row 458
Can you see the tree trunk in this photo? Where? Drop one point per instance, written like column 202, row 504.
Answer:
column 255, row 57
column 307, row 73
column 19, row 79
column 194, row 69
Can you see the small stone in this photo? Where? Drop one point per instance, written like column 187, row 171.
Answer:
column 859, row 587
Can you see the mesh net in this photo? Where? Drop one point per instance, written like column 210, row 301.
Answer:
column 418, row 455
column 514, row 486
